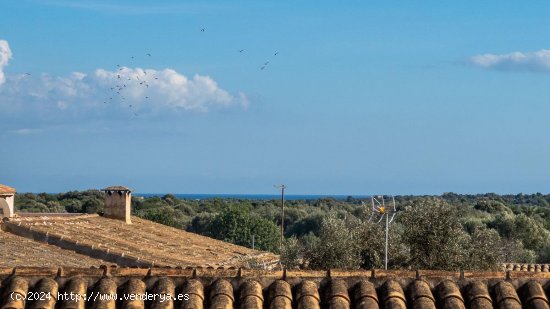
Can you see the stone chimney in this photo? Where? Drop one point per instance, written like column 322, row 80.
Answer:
column 7, row 197
column 118, row 200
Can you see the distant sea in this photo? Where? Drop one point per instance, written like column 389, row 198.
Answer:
column 252, row 196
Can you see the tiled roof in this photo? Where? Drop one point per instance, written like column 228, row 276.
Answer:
column 20, row 251
column 6, row 190
column 112, row 288
column 116, row 188
column 142, row 243
column 525, row 267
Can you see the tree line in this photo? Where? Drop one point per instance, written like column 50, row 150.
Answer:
column 451, row 231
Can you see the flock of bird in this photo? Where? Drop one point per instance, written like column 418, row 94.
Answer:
column 122, row 82
column 263, row 66
column 118, row 89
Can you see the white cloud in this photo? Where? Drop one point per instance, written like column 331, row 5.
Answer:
column 127, row 90
column 538, row 61
column 25, row 131
column 5, row 56
column 103, row 94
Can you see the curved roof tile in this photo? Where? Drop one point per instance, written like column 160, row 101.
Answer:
column 246, row 289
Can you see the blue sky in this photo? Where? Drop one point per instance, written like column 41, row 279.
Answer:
column 370, row 97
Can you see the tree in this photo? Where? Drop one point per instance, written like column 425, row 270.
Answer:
column 529, row 231
column 300, row 227
column 292, row 253
column 434, row 235
column 92, row 206
column 169, row 199
column 165, row 215
column 372, row 240
column 201, row 223
column 514, row 252
column 544, row 255
column 337, row 246
column 236, row 225
column 482, row 252
column 492, row 207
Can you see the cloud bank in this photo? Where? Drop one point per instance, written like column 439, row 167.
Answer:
column 120, row 91
column 5, row 56
column 133, row 8
column 538, row 61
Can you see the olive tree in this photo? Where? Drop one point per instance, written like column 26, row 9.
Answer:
column 337, row 246
column 434, row 235
column 237, row 225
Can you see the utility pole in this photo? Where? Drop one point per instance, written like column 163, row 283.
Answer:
column 386, row 246
column 282, row 187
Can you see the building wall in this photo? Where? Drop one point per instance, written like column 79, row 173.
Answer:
column 7, row 206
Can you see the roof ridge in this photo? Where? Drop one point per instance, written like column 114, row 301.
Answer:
column 61, row 216
column 230, row 272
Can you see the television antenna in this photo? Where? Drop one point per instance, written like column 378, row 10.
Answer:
column 381, row 211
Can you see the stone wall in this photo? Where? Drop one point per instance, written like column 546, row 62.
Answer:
column 117, row 205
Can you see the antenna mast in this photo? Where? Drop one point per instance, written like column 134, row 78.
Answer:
column 379, row 208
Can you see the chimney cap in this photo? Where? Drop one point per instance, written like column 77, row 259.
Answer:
column 117, row 188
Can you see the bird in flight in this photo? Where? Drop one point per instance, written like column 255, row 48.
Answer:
column 263, row 67
column 203, row 29
column 276, row 53
column 241, row 50
column 28, row 74
column 148, row 54
column 266, row 63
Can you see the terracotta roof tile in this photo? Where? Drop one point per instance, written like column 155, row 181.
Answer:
column 449, row 295
column 20, row 251
column 267, row 289
column 525, row 267
column 6, row 190
column 142, row 243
